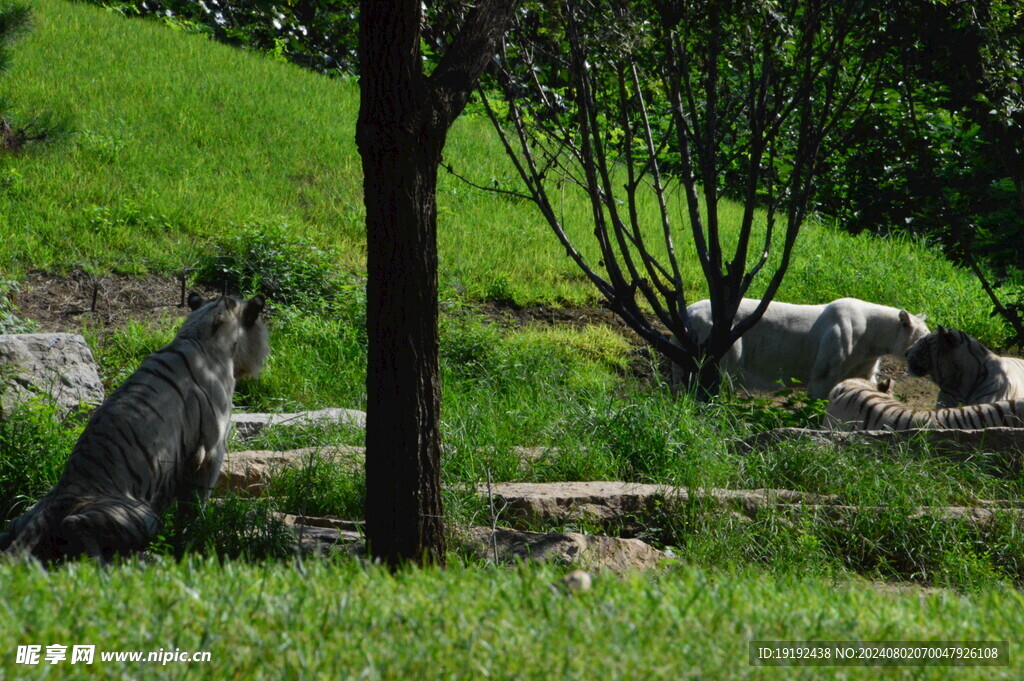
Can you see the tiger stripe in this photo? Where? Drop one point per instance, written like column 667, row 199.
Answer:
column 857, row 404
column 159, row 438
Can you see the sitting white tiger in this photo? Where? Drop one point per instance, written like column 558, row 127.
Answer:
column 159, row 438
column 965, row 370
column 812, row 345
column 857, row 404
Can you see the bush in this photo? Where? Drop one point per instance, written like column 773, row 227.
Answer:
column 290, row 270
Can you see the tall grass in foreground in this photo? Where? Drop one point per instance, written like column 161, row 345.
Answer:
column 348, row 621
column 180, row 141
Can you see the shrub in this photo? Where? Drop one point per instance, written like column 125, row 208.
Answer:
column 289, row 269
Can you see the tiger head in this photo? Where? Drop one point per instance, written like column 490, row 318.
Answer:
column 912, row 328
column 233, row 326
column 948, row 357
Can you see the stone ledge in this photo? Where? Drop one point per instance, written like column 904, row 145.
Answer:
column 250, row 425
column 1002, row 447
column 251, row 471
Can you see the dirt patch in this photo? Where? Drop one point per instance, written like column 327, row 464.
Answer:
column 541, row 315
column 67, row 302
column 914, row 391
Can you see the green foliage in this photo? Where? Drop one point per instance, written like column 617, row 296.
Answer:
column 786, row 409
column 466, row 622
column 120, row 354
column 9, row 320
column 289, row 269
column 316, row 360
column 34, row 444
column 142, row 185
column 234, row 527
column 320, row 35
column 15, row 20
column 321, row 486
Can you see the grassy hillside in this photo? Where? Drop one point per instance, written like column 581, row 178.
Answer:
column 178, row 140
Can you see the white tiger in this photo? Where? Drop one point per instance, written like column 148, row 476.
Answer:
column 159, row 438
column 812, row 345
column 965, row 370
column 857, row 404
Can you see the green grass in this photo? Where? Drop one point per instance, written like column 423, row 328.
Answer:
column 346, row 621
column 186, row 150
column 179, row 142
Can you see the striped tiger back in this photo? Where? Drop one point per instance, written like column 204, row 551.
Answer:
column 857, row 404
column 159, row 438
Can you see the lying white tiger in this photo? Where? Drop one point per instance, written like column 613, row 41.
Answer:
column 812, row 345
column 965, row 370
column 857, row 404
column 158, row 438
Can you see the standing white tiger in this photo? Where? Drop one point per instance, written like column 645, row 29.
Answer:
column 856, row 404
column 159, row 438
column 811, row 345
column 965, row 370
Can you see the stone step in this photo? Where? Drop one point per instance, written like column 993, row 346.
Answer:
column 1001, row 448
column 336, row 536
column 612, row 500
column 588, row 551
column 250, row 425
column 621, row 504
column 250, row 471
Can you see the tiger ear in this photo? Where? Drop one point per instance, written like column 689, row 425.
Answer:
column 195, row 301
column 885, row 385
column 252, row 311
column 905, row 318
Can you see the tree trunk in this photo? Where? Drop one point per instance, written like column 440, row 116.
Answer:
column 404, row 119
column 403, row 490
column 403, row 496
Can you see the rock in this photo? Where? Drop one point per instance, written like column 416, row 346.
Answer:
column 322, row 539
column 355, row 529
column 1002, row 448
column 250, row 425
column 56, row 364
column 625, row 505
column 251, row 471
column 577, row 580
column 528, row 502
column 564, row 548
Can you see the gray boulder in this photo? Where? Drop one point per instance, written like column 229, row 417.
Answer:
column 57, row 365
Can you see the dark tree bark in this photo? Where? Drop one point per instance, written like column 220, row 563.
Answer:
column 404, row 117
